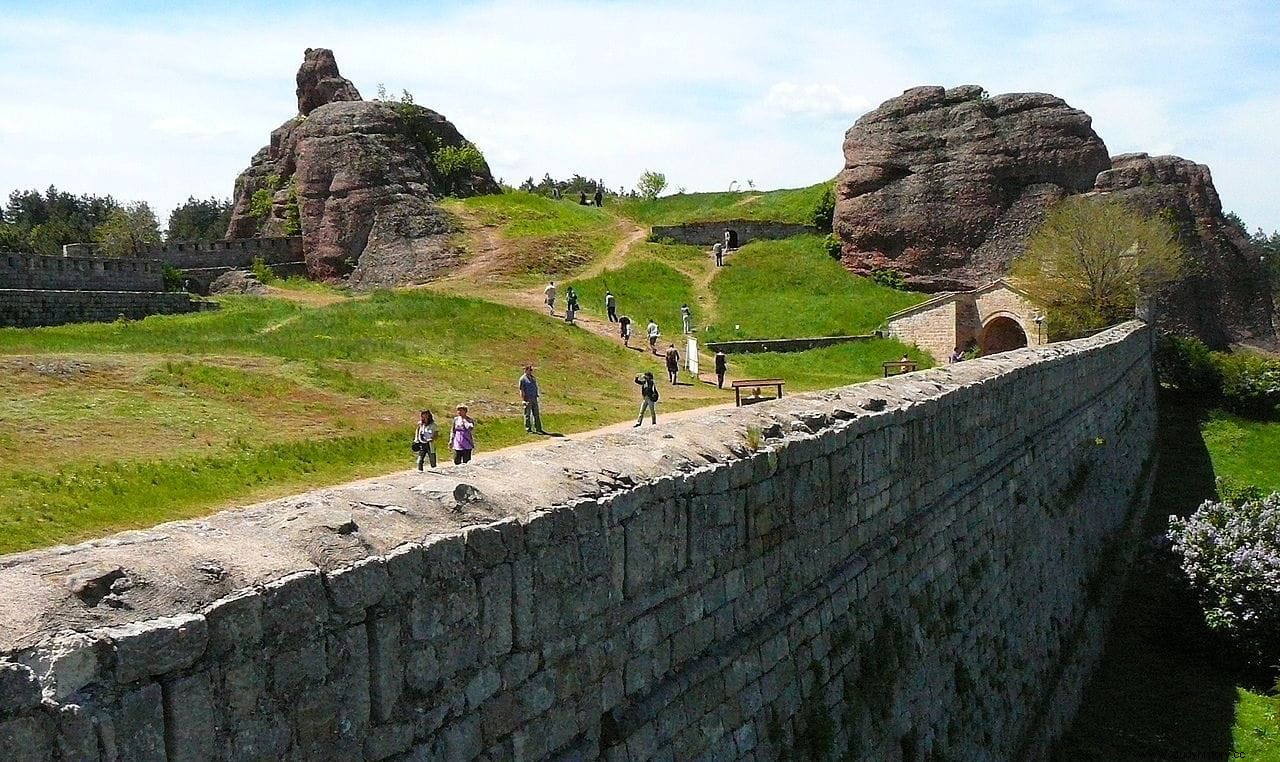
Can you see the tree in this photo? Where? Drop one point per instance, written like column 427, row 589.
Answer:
column 199, row 220
column 41, row 223
column 651, row 184
column 127, row 230
column 1090, row 258
column 824, row 211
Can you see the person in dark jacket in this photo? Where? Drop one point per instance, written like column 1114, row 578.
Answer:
column 722, row 365
column 673, row 363
column 599, row 196
column 648, row 397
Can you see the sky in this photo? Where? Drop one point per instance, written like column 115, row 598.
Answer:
column 158, row 101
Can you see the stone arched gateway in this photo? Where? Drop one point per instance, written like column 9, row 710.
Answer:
column 995, row 318
column 1000, row 334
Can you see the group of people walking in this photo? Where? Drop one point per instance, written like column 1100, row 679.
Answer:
column 461, row 437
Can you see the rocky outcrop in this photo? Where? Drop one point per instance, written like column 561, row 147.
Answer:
column 1224, row 296
column 359, row 180
column 941, row 184
column 945, row 186
column 319, row 81
column 237, row 282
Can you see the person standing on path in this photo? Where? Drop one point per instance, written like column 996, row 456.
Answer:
column 570, row 305
column 728, row 239
column 648, row 397
column 550, row 291
column 722, row 365
column 611, row 306
column 718, row 251
column 462, row 441
column 624, row 328
column 686, row 317
column 529, row 395
column 599, row 196
column 653, row 333
column 673, row 363
column 425, row 438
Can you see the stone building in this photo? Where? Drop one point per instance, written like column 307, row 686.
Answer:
column 996, row 317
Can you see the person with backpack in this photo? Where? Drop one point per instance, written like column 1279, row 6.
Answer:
column 673, row 363
column 424, row 439
column 624, row 329
column 571, row 305
column 649, row 398
column 686, row 317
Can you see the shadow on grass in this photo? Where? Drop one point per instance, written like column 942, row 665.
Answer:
column 1162, row 691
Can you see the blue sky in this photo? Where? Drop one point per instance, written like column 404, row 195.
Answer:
column 159, row 101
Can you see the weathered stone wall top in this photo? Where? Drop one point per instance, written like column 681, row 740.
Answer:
column 238, row 252
column 72, row 273
column 917, row 565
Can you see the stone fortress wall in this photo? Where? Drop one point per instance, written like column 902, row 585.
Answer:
column 916, row 568
column 38, row 290
column 201, row 262
column 707, row 233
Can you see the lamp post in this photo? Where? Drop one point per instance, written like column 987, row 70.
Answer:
column 1038, row 319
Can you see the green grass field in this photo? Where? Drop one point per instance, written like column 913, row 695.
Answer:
column 540, row 235
column 793, row 289
column 1164, row 689
column 788, row 205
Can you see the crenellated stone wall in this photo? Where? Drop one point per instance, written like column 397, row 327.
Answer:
column 74, row 273
column 708, row 233
column 916, row 568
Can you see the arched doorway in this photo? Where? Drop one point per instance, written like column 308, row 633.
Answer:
column 1001, row 334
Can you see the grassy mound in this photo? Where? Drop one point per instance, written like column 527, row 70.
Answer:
column 787, row 205
column 107, row 426
column 541, row 235
column 791, row 289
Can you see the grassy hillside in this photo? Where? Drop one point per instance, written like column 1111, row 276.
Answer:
column 792, row 288
column 104, row 426
column 539, row 235
column 787, row 205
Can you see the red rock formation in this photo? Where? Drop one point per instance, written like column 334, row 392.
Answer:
column 936, row 182
column 1224, row 297
column 359, row 179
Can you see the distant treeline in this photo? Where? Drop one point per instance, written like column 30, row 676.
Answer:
column 41, row 223
column 549, row 186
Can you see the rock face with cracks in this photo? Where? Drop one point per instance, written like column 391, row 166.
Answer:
column 942, row 184
column 946, row 185
column 360, row 180
column 1223, row 296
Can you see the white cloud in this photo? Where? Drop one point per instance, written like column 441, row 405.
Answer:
column 187, row 127
column 811, row 100
column 174, row 102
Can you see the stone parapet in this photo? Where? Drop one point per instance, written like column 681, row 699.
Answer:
column 26, row 308
column 708, row 233
column 920, row 567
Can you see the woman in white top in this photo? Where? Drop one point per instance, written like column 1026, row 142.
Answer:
column 425, row 438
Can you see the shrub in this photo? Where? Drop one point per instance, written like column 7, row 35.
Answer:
column 824, row 211
column 260, row 204
column 261, row 271
column 455, row 165
column 1250, row 383
column 887, row 276
column 832, row 244
column 172, row 278
column 292, row 215
column 1187, row 366
column 1231, row 556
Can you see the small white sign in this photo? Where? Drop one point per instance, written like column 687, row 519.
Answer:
column 691, row 355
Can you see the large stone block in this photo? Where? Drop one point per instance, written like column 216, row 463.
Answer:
column 19, row 688
column 234, row 622
column 194, row 719
column 156, row 647
column 295, row 606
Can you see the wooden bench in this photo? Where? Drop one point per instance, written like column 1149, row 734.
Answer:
column 899, row 367
column 757, row 384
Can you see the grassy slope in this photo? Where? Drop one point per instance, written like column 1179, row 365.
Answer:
column 173, row 416
column 540, row 235
column 789, row 205
column 792, row 288
column 1163, row 690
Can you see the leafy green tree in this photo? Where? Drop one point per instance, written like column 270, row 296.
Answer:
column 42, row 222
column 1090, row 258
column 127, row 230
column 651, row 184
column 199, row 220
column 824, row 211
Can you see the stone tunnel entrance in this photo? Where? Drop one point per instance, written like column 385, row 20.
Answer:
column 1001, row 334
